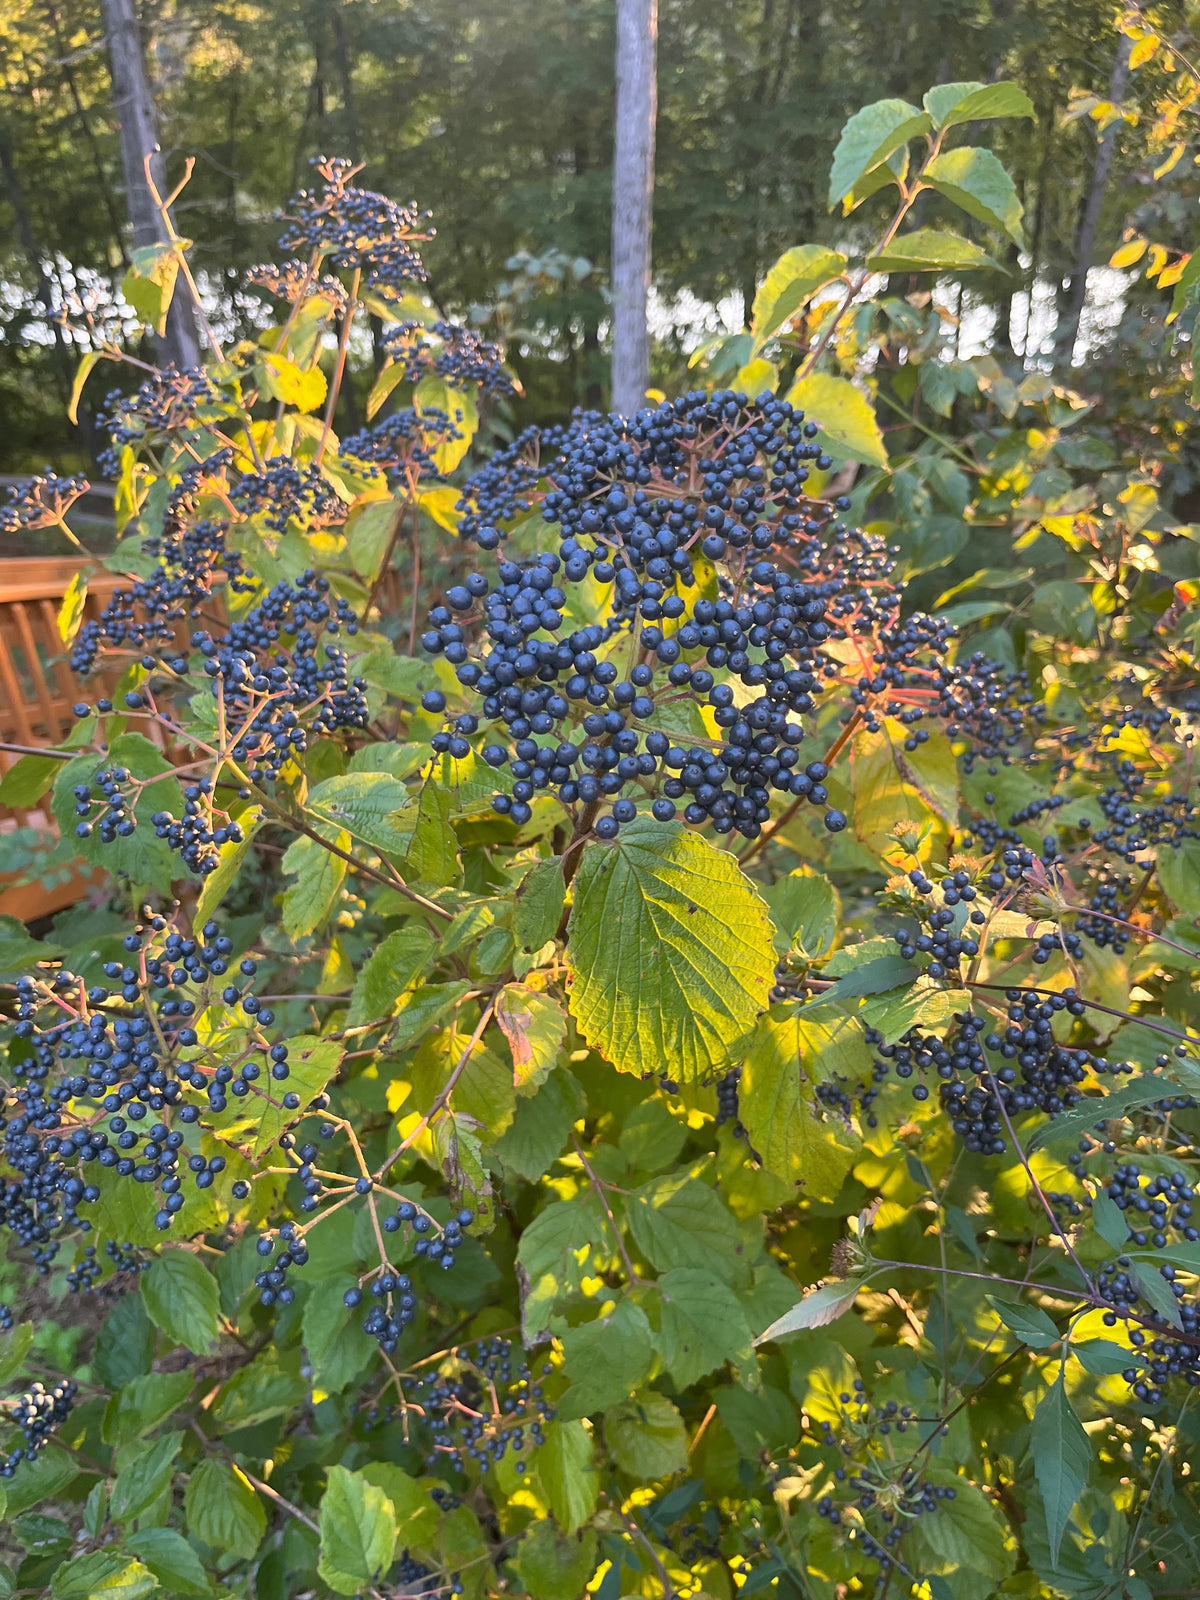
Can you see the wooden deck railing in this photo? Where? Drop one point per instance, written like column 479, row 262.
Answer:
column 37, row 692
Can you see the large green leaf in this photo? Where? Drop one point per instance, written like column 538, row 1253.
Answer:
column 367, row 804
column 1062, row 1457
column 181, row 1298
column 845, row 414
column 677, row 1221
column 703, row 1324
column 388, row 972
column 171, row 1559
column 798, row 273
column 605, row 1360
column 930, row 250
column 319, row 875
column 223, row 1510
column 975, row 181
column 869, row 138
column 565, row 1471
column 646, row 1437
column 358, row 1533
column 791, row 1051
column 669, row 949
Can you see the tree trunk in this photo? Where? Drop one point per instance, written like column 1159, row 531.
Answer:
column 137, row 122
column 633, row 198
column 1067, row 332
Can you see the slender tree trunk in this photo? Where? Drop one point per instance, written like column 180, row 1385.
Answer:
column 633, row 199
column 345, row 72
column 138, row 124
column 1067, row 332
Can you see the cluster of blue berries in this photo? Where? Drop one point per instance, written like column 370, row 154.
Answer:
column 395, row 1307
column 40, row 502
column 38, row 1412
column 484, row 1404
column 874, row 1491
column 356, row 229
column 403, row 443
column 297, row 280
column 101, row 1075
column 692, row 496
column 159, row 408
column 457, row 354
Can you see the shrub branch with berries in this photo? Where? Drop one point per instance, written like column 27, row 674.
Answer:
column 617, row 1054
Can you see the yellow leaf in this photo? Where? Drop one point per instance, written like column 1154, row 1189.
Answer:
column 1172, row 160
column 845, row 416
column 1158, row 257
column 1172, row 274
column 1142, row 51
column 756, row 376
column 1126, row 254
column 304, row 390
column 70, row 613
column 440, row 504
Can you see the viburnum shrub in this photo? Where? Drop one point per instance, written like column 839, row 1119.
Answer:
column 621, row 1056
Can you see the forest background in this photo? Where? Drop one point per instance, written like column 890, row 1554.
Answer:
column 498, row 117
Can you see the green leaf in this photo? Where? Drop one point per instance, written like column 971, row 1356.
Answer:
column 761, row 1422
column 1156, row 1290
column 564, row 1468
column 142, row 1404
column 964, row 1534
column 218, row 883
column 1064, row 607
column 669, row 949
column 223, row 1510
column 43, row 1478
column 319, row 874
column 1178, row 868
column 142, row 857
column 432, row 854
column 868, row 139
column 791, row 1051
column 338, row 1349
column 817, row 1309
column 390, row 970
column 414, row 1512
column 422, row 1008
column 797, row 275
column 540, row 1128
column 358, row 1532
column 804, row 908
column 605, row 1360
column 256, row 1126
column 977, row 183
column 1094, row 1109
column 677, row 1221
column 873, row 977
column 1062, row 1457
column 930, row 250
column 370, row 805
column 552, row 1567
column 258, row 1391
column 547, row 1253
column 846, row 416
column 171, row 1559
column 150, row 283
column 703, row 1325
column 181, row 1298
column 1109, row 1220
column 1030, row 1323
column 652, row 1138
column 952, row 103
column 27, row 780
column 144, row 1471
column 102, row 1575
column 537, row 909
column 14, row 1347
column 646, row 1437
column 1102, row 1358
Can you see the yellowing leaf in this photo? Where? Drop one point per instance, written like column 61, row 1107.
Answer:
column 845, row 415
column 1142, row 51
column 305, row 390
column 70, row 612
